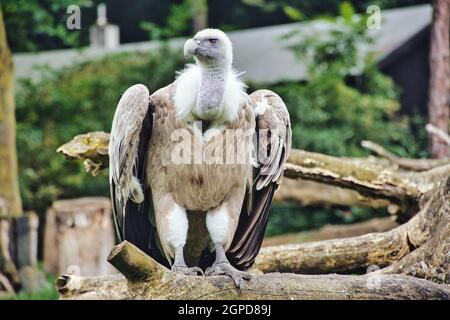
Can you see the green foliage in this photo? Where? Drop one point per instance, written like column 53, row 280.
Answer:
column 70, row 101
column 290, row 217
column 177, row 23
column 29, row 22
column 334, row 111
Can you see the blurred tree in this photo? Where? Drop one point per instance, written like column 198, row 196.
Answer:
column 187, row 17
column 199, row 9
column 439, row 95
column 42, row 23
column 9, row 185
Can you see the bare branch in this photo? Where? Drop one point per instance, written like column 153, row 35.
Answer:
column 438, row 133
column 405, row 163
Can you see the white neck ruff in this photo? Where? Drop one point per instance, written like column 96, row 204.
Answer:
column 188, row 85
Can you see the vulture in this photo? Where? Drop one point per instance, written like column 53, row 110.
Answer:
column 194, row 166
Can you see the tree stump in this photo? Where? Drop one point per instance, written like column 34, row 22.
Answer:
column 79, row 235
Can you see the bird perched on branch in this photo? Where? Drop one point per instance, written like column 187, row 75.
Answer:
column 195, row 165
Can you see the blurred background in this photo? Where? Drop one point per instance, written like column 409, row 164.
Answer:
column 343, row 79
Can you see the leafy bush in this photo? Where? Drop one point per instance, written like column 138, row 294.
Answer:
column 66, row 102
column 335, row 110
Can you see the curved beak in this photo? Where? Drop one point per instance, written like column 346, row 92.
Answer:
column 190, row 46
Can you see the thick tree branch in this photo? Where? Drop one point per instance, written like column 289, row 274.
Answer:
column 373, row 180
column 90, row 147
column 72, row 287
column 149, row 280
column 419, row 247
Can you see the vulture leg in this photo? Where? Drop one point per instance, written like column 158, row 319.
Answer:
column 222, row 223
column 222, row 266
column 179, row 265
column 172, row 225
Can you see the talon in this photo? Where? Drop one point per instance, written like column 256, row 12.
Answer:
column 194, row 271
column 225, row 268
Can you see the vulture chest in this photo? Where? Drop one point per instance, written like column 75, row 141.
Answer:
column 200, row 170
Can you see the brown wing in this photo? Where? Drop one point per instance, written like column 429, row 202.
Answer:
column 128, row 150
column 273, row 144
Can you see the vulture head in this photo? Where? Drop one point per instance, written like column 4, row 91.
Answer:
column 210, row 47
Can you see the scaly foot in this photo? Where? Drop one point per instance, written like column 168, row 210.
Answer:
column 225, row 268
column 184, row 269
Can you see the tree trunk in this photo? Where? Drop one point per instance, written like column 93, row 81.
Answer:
column 9, row 182
column 439, row 96
column 199, row 14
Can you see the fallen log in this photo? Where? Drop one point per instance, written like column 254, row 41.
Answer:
column 146, row 279
column 110, row 287
column 420, row 247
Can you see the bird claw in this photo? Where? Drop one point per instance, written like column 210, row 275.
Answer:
column 189, row 271
column 225, row 268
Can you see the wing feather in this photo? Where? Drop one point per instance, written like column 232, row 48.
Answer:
column 274, row 138
column 128, row 151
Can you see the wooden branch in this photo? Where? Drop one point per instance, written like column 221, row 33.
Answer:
column 337, row 255
column 72, row 287
column 371, row 179
column 445, row 137
column 368, row 180
column 91, row 147
column 405, row 163
column 149, row 280
column 419, row 247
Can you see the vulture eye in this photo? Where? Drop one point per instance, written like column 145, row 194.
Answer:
column 213, row 41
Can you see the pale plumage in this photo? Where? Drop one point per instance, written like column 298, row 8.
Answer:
column 194, row 188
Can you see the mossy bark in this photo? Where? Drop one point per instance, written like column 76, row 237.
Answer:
column 9, row 182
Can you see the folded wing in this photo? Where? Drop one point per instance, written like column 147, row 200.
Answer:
column 273, row 144
column 128, row 150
